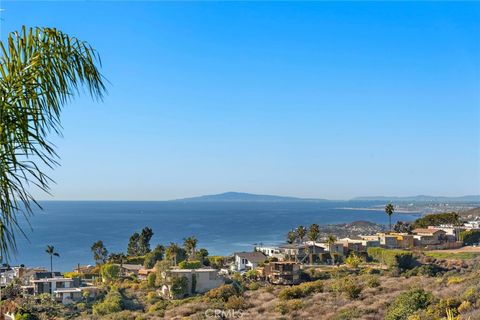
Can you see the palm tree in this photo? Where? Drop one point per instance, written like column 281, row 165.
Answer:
column 301, row 232
column 51, row 251
column 41, row 69
column 291, row 236
column 389, row 209
column 331, row 239
column 171, row 252
column 313, row 233
column 190, row 245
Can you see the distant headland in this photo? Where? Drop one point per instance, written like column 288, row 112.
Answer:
column 250, row 197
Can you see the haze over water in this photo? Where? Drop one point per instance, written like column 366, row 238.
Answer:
column 221, row 227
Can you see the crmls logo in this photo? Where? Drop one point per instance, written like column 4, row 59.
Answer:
column 224, row 314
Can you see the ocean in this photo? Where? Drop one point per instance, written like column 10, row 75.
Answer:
column 220, row 227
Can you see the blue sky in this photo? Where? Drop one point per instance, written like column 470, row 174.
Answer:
column 330, row 100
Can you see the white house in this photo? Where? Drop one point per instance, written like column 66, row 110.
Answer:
column 247, row 260
column 270, row 251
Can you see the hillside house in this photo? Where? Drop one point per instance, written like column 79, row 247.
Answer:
column 198, row 281
column 425, row 236
column 269, row 251
column 300, row 252
column 64, row 290
column 286, row 272
column 247, row 260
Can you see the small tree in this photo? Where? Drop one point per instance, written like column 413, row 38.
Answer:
column 99, row 251
column 152, row 257
column 110, row 272
column 151, row 279
column 179, row 286
column 202, row 255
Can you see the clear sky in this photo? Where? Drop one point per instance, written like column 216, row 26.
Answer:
column 330, row 100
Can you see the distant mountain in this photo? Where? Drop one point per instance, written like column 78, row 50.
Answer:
column 422, row 198
column 244, row 197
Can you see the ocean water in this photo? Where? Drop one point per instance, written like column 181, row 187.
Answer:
column 221, row 228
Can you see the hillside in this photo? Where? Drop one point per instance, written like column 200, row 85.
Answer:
column 471, row 214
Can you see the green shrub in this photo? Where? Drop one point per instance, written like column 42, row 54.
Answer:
column 301, row 290
column 251, row 274
column 254, row 286
column 25, row 316
column 373, row 281
column 429, row 270
column 158, row 306
column 470, row 237
column 190, row 264
column 236, row 303
column 289, row 306
column 347, row 314
column 223, row 292
column 393, row 258
column 354, row 260
column 407, row 303
column 472, row 294
column 351, row 289
column 110, row 304
column 110, row 271
column 151, row 279
column 179, row 286
column 439, row 309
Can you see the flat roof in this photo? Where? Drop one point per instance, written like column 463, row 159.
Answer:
column 67, row 290
column 190, row 270
column 53, row 280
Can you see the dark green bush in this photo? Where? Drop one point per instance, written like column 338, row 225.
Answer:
column 407, row 303
column 393, row 258
column 190, row 264
column 470, row 237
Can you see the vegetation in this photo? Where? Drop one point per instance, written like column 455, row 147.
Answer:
column 190, row 264
column 139, row 244
column 389, row 209
column 152, row 257
column 449, row 255
column 41, row 69
column 179, row 286
column 393, row 258
column 407, row 303
column 112, row 303
column 437, row 219
column 110, row 272
column 100, row 253
column 470, row 237
column 52, row 253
